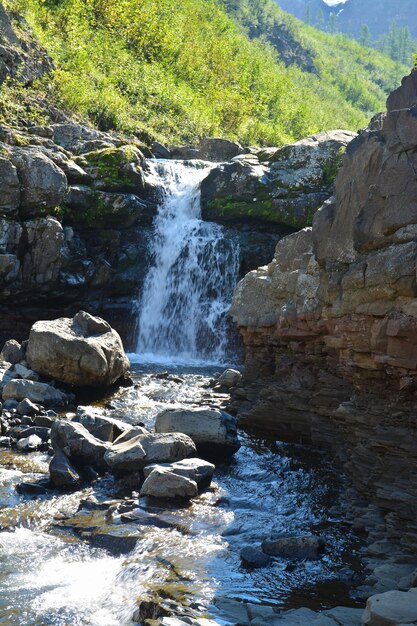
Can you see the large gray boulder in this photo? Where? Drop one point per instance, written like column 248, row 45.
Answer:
column 83, row 351
column 136, row 453
column 213, row 431
column 39, row 393
column 80, row 446
column 163, row 483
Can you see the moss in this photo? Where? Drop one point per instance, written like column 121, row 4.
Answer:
column 107, row 166
column 101, row 214
column 233, row 209
column 331, row 169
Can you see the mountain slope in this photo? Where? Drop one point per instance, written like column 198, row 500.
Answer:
column 180, row 69
column 378, row 14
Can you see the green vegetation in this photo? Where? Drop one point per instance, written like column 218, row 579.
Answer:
column 176, row 70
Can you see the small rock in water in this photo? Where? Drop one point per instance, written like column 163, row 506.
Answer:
column 29, row 444
column 143, row 450
column 229, row 378
column 197, row 470
column 36, row 489
column 305, row 547
column 254, row 558
column 5, row 442
column 61, row 471
column 214, row 432
column 163, row 483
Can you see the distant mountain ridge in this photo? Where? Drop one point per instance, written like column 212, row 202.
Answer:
column 377, row 14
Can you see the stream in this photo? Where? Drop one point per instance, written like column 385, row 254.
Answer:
column 52, row 575
column 89, row 558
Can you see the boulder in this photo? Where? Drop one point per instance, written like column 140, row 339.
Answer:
column 103, row 209
column 218, row 149
column 25, row 372
column 43, row 432
column 277, row 186
column 305, row 547
column 43, row 183
column 29, row 444
column 136, row 453
column 42, row 393
column 43, row 258
column 10, row 186
column 26, row 407
column 6, row 374
column 78, row 444
column 392, row 608
column 229, row 378
column 61, row 472
column 213, row 431
column 83, row 351
column 196, row 470
column 254, row 558
column 12, row 352
column 164, row 483
column 134, row 431
column 101, row 427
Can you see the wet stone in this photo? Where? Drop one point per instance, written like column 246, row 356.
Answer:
column 254, row 558
column 307, row 547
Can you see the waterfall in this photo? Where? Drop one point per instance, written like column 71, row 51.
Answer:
column 183, row 311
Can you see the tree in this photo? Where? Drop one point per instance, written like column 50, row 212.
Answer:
column 365, row 36
column 307, row 17
column 333, row 23
column 320, row 19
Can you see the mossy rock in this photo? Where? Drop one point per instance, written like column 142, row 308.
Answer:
column 97, row 209
column 115, row 169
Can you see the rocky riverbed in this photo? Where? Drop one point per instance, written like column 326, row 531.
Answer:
column 103, row 553
column 270, row 540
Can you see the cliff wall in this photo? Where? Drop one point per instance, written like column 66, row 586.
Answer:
column 330, row 325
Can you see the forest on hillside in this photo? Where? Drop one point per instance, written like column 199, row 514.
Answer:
column 176, row 70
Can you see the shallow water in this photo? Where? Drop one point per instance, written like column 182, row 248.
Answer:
column 51, row 576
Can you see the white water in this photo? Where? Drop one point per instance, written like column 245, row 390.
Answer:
column 183, row 313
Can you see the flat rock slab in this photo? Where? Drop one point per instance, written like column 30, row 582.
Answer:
column 392, row 608
column 136, row 453
column 19, row 389
column 345, row 616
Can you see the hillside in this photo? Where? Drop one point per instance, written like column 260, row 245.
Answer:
column 378, row 14
column 178, row 70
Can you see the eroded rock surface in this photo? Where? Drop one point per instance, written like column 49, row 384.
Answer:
column 330, row 325
column 275, row 185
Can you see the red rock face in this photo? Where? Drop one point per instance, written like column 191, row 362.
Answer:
column 330, row 326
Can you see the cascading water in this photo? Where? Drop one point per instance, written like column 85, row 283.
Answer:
column 183, row 313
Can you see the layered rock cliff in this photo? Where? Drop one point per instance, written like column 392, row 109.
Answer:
column 330, row 325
